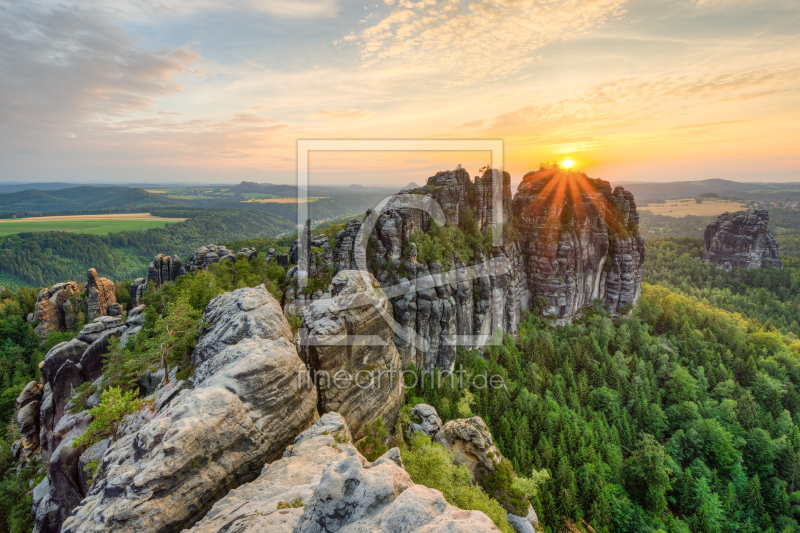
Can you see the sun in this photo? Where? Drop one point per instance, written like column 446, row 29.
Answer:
column 567, row 163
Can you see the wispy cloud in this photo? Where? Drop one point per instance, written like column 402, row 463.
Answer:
column 479, row 40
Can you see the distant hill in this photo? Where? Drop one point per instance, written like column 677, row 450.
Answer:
column 83, row 198
column 724, row 188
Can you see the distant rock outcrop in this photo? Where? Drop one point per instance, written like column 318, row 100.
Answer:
column 580, row 241
column 165, row 269
column 56, row 308
column 101, row 296
column 566, row 239
column 741, row 240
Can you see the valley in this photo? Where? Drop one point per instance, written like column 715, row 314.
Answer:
column 643, row 388
column 89, row 224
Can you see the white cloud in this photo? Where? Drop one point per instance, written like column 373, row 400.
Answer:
column 482, row 39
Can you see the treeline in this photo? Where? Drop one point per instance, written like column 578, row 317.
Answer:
column 768, row 295
column 40, row 259
column 323, row 209
column 681, row 418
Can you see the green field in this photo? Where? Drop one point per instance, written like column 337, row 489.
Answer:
column 83, row 224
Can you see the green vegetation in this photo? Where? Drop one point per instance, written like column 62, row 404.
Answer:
column 114, row 406
column 78, row 224
column 44, row 258
column 431, row 464
column 770, row 296
column 440, row 242
column 372, row 446
column 679, row 418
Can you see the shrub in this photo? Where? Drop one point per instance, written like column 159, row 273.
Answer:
column 114, row 406
column 372, row 446
column 431, row 464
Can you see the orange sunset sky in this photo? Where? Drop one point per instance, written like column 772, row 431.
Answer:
column 156, row 91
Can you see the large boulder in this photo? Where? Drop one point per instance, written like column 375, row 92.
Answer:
column 92, row 359
column 347, row 341
column 61, row 490
column 100, row 294
column 59, row 354
column 164, row 474
column 323, row 484
column 741, row 240
column 53, row 308
column 471, row 443
column 236, row 315
column 429, row 421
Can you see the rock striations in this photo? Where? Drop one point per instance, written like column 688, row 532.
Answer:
column 565, row 239
column 741, row 240
column 580, row 241
column 322, row 484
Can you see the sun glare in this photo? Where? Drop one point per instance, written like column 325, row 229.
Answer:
column 567, row 163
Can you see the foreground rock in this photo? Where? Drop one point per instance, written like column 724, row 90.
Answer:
column 347, row 344
column 741, row 240
column 334, row 488
column 237, row 315
column 247, row 405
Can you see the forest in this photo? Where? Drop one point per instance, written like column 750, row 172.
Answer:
column 682, row 417
column 45, row 258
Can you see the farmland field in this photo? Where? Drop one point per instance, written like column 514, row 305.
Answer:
column 687, row 206
column 92, row 224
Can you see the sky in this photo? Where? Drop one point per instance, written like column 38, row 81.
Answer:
column 157, row 91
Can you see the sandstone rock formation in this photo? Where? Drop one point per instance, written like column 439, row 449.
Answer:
column 233, row 316
column 28, row 403
column 337, row 490
column 347, row 343
column 579, row 240
column 247, row 404
column 211, row 253
column 741, row 240
column 430, row 423
column 471, row 443
column 99, row 293
column 55, row 309
column 567, row 239
column 165, row 269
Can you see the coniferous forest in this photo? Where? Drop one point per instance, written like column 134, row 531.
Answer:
column 683, row 416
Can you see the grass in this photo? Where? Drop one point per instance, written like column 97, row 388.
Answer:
column 92, row 224
column 687, row 206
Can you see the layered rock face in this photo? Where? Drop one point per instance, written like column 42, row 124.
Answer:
column 346, row 341
column 55, row 308
column 101, row 296
column 434, row 309
column 246, row 406
column 334, row 488
column 579, row 241
column 572, row 241
column 741, row 240
column 65, row 367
